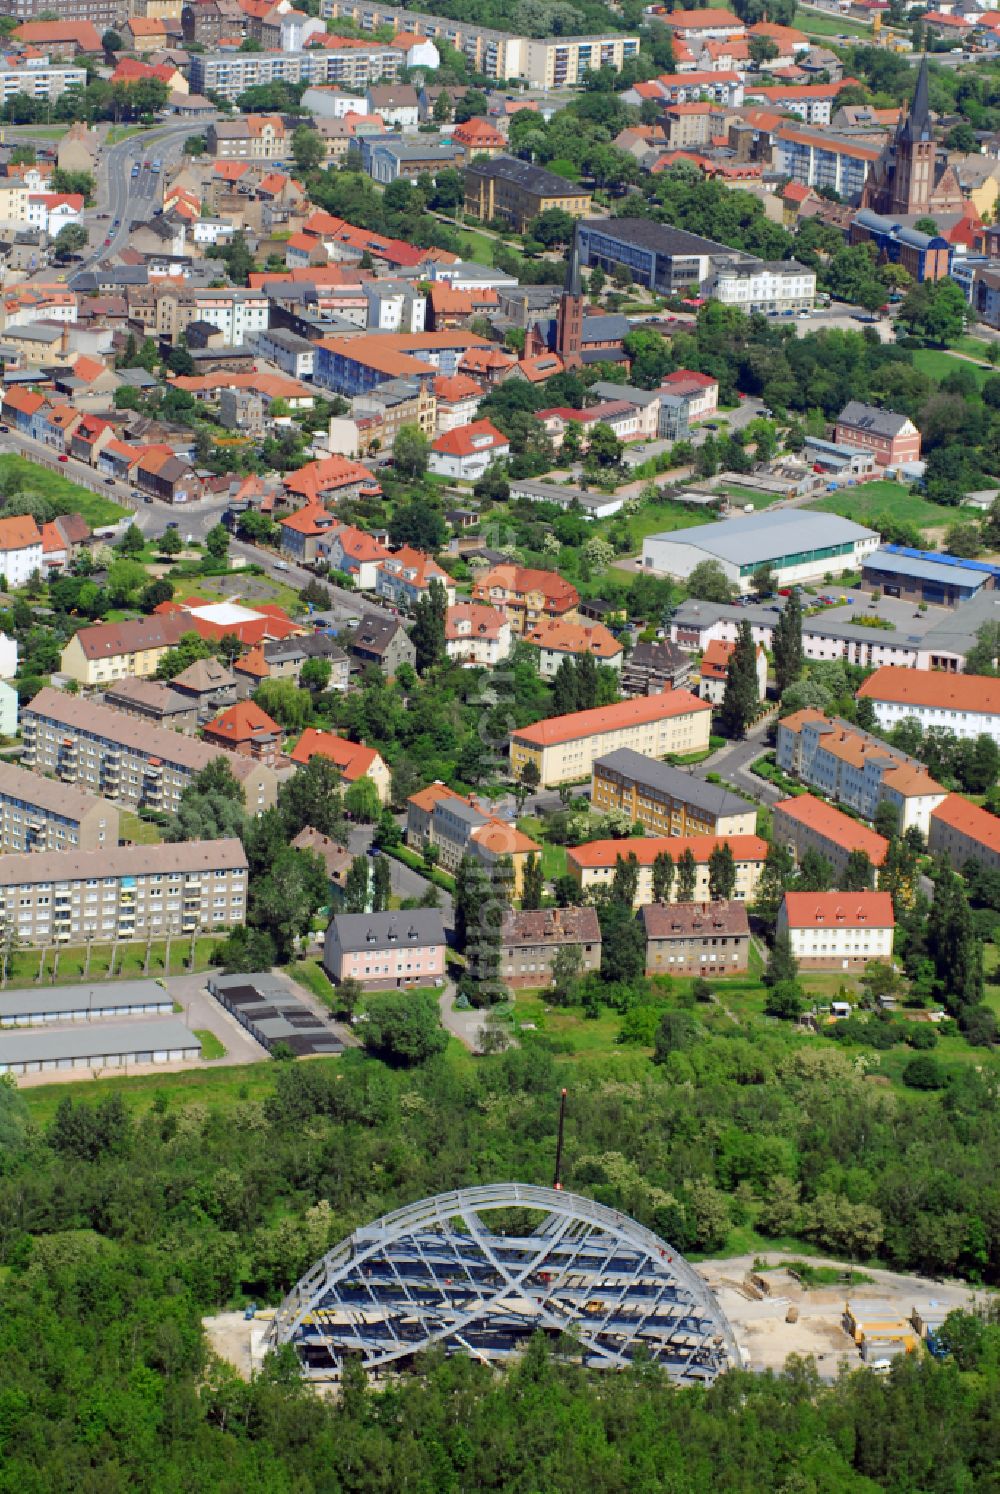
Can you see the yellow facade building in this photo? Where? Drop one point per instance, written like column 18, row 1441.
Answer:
column 125, row 650
column 565, row 748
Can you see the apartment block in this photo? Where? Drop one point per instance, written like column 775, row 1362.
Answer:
column 666, row 800
column 232, row 73
column 125, row 892
column 564, row 61
column 966, row 704
column 122, row 650
column 564, row 749
column 964, row 832
column 856, row 769
column 529, row 941
column 457, row 826
column 40, row 82
column 593, row 865
column 809, row 824
column 40, row 814
column 527, row 597
column 386, row 951
column 119, row 757
column 696, row 938
column 837, row 930
column 818, row 159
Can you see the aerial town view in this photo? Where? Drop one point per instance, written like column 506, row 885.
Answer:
column 499, row 747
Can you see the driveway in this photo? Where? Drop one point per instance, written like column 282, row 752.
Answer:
column 201, row 1011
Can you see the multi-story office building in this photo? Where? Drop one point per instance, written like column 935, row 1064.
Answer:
column 119, row 757
column 666, row 800
column 661, row 257
column 515, row 192
column 564, row 749
column 41, row 814
column 232, row 73
column 125, row 892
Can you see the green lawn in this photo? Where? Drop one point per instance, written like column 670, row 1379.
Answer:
column 937, row 363
column 881, row 497
column 30, row 967
column 140, row 831
column 211, row 1048
column 815, row 24
column 656, row 516
column 476, row 246
column 748, row 495
column 71, row 497
column 310, row 973
column 974, row 346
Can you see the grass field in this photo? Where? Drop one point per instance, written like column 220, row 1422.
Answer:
column 211, row 1048
column 476, row 246
column 29, row 967
column 812, row 22
column 310, row 973
column 665, row 515
column 749, row 495
column 938, row 364
column 71, row 497
column 864, row 503
column 553, row 857
column 140, row 831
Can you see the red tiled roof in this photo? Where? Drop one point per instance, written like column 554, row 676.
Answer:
column 969, row 820
column 466, row 440
column 832, row 825
column 241, row 723
column 976, row 693
column 607, row 852
column 845, row 910
column 352, row 758
column 635, row 712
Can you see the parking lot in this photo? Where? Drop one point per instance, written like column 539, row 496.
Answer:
column 902, row 615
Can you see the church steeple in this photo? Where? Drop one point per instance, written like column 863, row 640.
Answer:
column 917, row 125
column 573, row 285
column 569, row 319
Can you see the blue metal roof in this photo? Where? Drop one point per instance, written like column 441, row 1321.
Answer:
column 929, row 565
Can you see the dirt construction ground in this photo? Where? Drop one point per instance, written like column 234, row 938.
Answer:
column 767, row 1340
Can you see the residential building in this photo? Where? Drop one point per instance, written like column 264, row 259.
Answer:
column 356, row 553
column 652, row 668
column 251, row 137
column 557, row 640
column 231, row 73
column 40, row 814
column 593, row 865
column 660, row 257
column 494, row 53
column 305, row 531
column 527, row 597
column 20, row 550
column 133, row 762
column 386, row 409
column 384, row 642
column 208, row 684
column 564, row 61
column 124, row 892
column 798, row 545
column 464, row 453
column 529, row 941
column 476, row 636
column 565, row 748
column 812, row 102
column 966, row 704
column 928, row 576
column 353, row 760
column 337, row 859
column 353, row 366
column 247, row 730
column 810, row 824
column 818, row 158
column 405, row 575
column 837, row 930
column 105, row 652
column 39, row 82
column 665, row 800
column 386, row 951
column 856, row 769
column 963, row 832
column 714, row 669
column 892, row 439
column 152, row 701
column 514, row 192
column 459, row 826
column 701, row 939
column 394, row 306
column 765, row 285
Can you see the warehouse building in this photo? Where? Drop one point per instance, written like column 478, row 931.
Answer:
column 926, row 576
column 667, row 801
column 40, row 814
column 565, row 748
column 125, row 892
column 98, row 1045
column 798, row 545
column 36, row 1007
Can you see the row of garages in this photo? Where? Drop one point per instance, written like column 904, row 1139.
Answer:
column 97, row 1045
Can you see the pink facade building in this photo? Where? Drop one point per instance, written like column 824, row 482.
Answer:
column 386, row 951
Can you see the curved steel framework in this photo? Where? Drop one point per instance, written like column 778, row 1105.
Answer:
column 435, row 1273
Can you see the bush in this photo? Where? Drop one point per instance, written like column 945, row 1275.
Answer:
column 922, row 1037
column 923, row 1073
column 403, row 1028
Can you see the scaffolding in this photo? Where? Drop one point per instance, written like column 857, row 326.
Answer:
column 598, row 1284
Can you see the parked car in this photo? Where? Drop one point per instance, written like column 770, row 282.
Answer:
column 63, row 457
column 109, row 482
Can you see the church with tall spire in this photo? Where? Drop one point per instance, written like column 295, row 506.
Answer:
column 912, row 177
column 569, row 317
column 576, row 336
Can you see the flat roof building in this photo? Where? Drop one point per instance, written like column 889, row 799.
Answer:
column 274, row 1016
column 927, row 576
column 102, row 1000
column 666, row 800
column 565, row 748
column 796, row 544
column 98, row 1046
column 661, row 257
column 41, row 814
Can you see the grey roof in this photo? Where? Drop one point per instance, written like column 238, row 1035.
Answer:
column 204, row 675
column 768, row 536
column 710, row 797
column 523, row 174
column 661, row 238
column 97, row 1040
column 832, row 627
column 870, row 418
column 122, row 861
column 149, row 693
column 606, row 390
column 563, row 497
column 694, row 613
column 49, row 1001
column 418, row 926
column 956, row 633
column 597, row 328
column 74, row 712
column 46, row 793
column 938, row 571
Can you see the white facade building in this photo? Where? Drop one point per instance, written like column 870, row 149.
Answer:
column 476, row 636
column 837, row 930
column 796, row 544
column 765, row 285
column 20, row 550
column 966, row 704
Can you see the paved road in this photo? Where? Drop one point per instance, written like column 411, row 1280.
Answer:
column 732, row 763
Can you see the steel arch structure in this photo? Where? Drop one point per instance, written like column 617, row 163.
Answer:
column 435, row 1273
